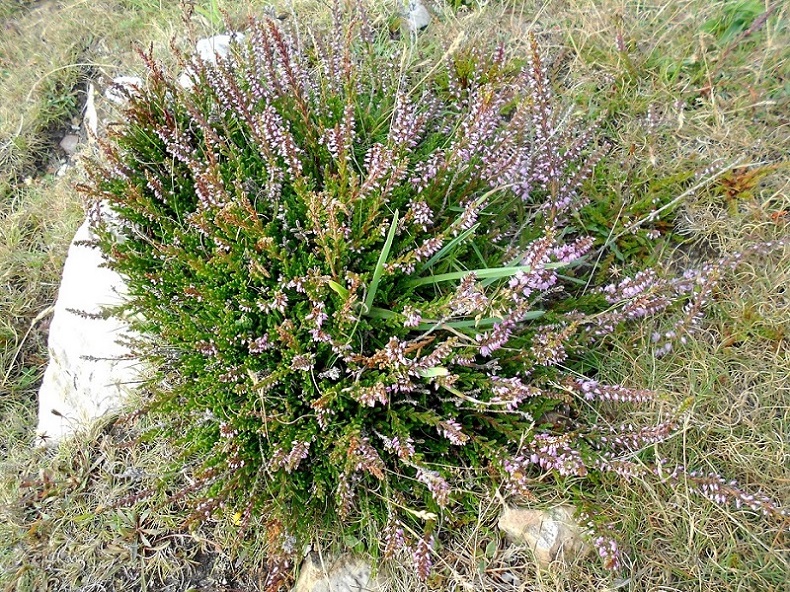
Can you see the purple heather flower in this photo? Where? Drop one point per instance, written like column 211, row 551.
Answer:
column 413, row 317
column 494, row 339
column 393, row 538
column 420, row 214
column 346, row 492
column 554, row 453
column 207, row 348
column 608, row 551
column 439, row 488
column 422, row 556
column 428, row 248
column 370, row 395
column 593, row 390
column 303, row 362
column 404, row 448
column 260, row 344
column 510, row 392
column 452, row 430
column 365, row 457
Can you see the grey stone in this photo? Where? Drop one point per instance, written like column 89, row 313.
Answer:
column 552, row 535
column 347, row 573
column 69, row 143
column 415, row 15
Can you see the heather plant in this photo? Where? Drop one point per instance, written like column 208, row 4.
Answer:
column 363, row 291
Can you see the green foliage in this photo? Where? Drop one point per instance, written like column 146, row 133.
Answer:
column 11, row 7
column 736, row 17
column 463, row 4
column 211, row 12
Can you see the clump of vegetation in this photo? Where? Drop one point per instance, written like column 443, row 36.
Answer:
column 364, row 292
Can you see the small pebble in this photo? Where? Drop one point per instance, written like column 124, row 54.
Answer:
column 69, row 143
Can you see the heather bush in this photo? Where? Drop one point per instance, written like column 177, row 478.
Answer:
column 362, row 288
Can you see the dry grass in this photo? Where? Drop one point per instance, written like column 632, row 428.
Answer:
column 735, row 378
column 716, row 98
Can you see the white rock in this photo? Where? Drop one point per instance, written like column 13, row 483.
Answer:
column 345, row 574
column 552, row 535
column 89, row 371
column 415, row 15
column 121, row 87
column 91, row 118
column 209, row 49
column 185, row 79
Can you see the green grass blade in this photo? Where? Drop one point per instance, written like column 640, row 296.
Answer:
column 448, row 247
column 385, row 252
column 491, row 273
column 381, row 313
column 338, row 288
column 495, row 272
column 433, row 372
column 427, row 324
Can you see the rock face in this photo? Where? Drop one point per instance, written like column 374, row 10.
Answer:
column 89, row 371
column 552, row 535
column 345, row 574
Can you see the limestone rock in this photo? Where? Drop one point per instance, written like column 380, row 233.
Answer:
column 344, row 574
column 89, row 371
column 415, row 15
column 552, row 535
column 121, row 87
column 209, row 49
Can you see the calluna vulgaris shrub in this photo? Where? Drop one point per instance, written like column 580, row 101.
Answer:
column 359, row 283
